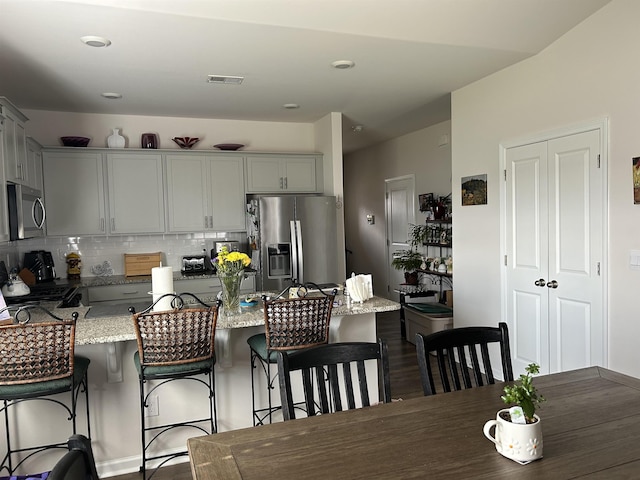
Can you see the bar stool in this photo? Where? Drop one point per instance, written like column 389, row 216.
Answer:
column 290, row 324
column 173, row 345
column 37, row 362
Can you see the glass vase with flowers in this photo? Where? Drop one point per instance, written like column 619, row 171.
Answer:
column 230, row 270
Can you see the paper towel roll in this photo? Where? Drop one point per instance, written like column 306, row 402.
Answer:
column 162, row 283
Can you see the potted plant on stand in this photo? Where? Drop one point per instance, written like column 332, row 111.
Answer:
column 410, row 261
column 518, row 430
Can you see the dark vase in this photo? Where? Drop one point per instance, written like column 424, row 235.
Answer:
column 439, row 211
column 149, row 140
column 411, row 278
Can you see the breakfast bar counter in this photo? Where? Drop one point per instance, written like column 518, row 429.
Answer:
column 108, row 340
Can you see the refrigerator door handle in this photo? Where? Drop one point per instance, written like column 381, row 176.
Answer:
column 300, row 256
column 294, row 251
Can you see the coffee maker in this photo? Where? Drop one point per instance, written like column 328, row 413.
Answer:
column 40, row 263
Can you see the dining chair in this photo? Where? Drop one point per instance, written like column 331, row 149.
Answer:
column 37, row 362
column 174, row 345
column 334, row 377
column 460, row 351
column 78, row 463
column 290, row 324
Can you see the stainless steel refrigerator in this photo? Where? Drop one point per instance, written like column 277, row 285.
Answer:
column 296, row 237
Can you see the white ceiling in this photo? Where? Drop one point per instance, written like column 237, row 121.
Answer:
column 409, row 55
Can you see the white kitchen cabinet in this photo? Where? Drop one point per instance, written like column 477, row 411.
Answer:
column 4, row 223
column 136, row 193
column 205, row 192
column 15, row 142
column 280, row 173
column 137, row 292
column 74, row 193
column 34, row 164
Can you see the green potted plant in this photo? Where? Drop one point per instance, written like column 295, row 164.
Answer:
column 518, row 430
column 409, row 261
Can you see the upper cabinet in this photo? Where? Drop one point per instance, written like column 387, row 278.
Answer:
column 136, row 193
column 283, row 173
column 4, row 223
column 34, row 164
column 15, row 142
column 80, row 202
column 205, row 192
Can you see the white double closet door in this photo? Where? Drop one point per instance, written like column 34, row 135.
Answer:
column 555, row 287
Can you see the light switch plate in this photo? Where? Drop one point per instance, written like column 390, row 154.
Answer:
column 371, row 219
column 634, row 259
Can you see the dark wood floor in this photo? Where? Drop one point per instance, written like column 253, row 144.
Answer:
column 405, row 383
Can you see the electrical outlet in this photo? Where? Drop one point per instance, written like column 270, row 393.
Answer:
column 152, row 409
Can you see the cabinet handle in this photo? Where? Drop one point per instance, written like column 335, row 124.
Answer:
column 102, row 224
column 281, row 183
column 552, row 284
column 540, row 283
column 135, row 292
column 285, row 183
column 19, row 172
column 113, row 224
column 210, row 221
column 206, row 221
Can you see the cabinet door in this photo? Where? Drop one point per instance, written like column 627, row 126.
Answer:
column 300, row 174
column 74, row 193
column 34, row 164
column 187, row 195
column 4, row 224
column 136, row 193
column 227, row 193
column 264, row 175
column 15, row 148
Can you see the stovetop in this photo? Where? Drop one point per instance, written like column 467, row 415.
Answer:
column 47, row 293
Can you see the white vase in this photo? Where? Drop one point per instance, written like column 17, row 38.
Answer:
column 115, row 140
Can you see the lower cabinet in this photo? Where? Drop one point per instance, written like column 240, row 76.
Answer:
column 119, row 294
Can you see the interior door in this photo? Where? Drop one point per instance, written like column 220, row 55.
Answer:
column 555, row 287
column 400, row 212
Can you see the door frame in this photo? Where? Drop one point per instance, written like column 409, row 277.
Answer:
column 412, row 219
column 602, row 125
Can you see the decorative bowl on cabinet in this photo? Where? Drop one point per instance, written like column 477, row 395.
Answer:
column 229, row 146
column 186, row 142
column 75, row 141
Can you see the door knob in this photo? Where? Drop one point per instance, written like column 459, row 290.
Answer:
column 552, row 284
column 540, row 283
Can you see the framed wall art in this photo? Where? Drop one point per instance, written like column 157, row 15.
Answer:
column 474, row 190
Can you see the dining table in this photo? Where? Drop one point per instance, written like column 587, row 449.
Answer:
column 590, row 424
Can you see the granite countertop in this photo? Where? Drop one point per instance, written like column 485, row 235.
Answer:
column 122, row 280
column 118, row 326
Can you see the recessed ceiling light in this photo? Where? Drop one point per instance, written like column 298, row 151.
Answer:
column 291, row 106
column 94, row 41
column 343, row 64
column 225, row 79
column 111, row 95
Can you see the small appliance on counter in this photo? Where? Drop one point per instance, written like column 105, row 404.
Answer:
column 194, row 264
column 40, row 263
column 15, row 287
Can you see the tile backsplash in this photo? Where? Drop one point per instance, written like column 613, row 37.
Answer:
column 96, row 250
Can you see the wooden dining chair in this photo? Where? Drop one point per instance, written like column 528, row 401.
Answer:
column 78, row 463
column 328, row 378
column 291, row 324
column 461, row 353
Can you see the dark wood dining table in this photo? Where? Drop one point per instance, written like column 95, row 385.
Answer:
column 590, row 422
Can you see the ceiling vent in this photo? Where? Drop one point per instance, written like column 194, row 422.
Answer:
column 225, row 79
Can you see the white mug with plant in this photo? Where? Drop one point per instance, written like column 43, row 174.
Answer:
column 518, row 429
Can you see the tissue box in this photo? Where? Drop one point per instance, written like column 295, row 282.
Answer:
column 136, row 264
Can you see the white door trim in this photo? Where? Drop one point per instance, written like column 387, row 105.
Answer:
column 602, row 125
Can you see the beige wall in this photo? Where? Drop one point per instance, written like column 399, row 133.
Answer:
column 365, row 171
column 589, row 74
column 47, row 128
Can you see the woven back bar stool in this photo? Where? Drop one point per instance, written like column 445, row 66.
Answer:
column 290, row 324
column 174, row 345
column 37, row 362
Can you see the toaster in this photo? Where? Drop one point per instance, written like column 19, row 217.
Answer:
column 194, row 264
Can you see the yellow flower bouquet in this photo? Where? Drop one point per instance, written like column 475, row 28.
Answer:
column 230, row 270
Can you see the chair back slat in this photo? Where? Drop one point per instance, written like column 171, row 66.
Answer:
column 295, row 323
column 333, row 364
column 456, row 354
column 175, row 337
column 36, row 352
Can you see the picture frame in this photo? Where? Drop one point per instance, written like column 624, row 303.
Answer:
column 425, row 201
column 474, row 190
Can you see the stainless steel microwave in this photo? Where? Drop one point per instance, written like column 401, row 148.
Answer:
column 26, row 212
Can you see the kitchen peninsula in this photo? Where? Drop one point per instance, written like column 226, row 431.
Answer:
column 109, row 341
